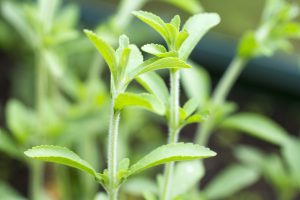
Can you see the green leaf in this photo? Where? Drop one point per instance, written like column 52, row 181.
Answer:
column 248, row 46
column 153, row 21
column 257, row 126
column 181, row 38
column 144, row 100
column 169, row 153
column 46, row 13
column 288, row 30
column 149, row 196
column 191, row 105
column 60, row 155
column 191, row 6
column 196, row 118
column 140, row 185
column 14, row 15
column 53, row 63
column 172, row 35
column 250, row 156
column 291, row 151
column 275, row 172
column 158, row 50
column 107, row 52
column 155, row 85
column 196, row 83
column 122, row 169
column 156, row 64
column 231, row 180
column 197, row 26
column 8, row 193
column 154, row 49
column 21, row 121
column 181, row 184
column 7, row 145
column 175, row 21
column 101, row 196
column 135, row 58
column 124, row 164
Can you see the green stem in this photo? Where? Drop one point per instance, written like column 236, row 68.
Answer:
column 219, row 96
column 113, row 153
column 173, row 130
column 36, row 180
column 36, row 169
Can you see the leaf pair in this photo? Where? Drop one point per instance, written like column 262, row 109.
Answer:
column 161, row 155
column 180, row 42
column 126, row 64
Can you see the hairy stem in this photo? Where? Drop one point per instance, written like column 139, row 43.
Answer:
column 219, row 96
column 173, row 130
column 113, row 152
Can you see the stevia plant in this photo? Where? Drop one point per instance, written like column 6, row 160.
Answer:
column 180, row 44
column 125, row 64
column 88, row 95
column 278, row 25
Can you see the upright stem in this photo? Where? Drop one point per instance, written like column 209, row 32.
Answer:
column 36, row 180
column 113, row 152
column 173, row 130
column 219, row 96
column 36, row 169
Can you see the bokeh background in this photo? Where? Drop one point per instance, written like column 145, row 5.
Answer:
column 269, row 86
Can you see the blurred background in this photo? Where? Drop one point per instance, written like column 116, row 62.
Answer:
column 76, row 88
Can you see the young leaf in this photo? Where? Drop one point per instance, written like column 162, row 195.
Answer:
column 196, row 118
column 248, row 45
column 181, row 38
column 60, row 155
column 105, row 50
column 181, row 184
column 155, row 64
column 257, row 126
column 175, row 21
column 153, row 21
column 291, row 151
column 229, row 181
column 155, row 85
column 196, row 83
column 154, row 49
column 135, row 58
column 169, row 153
column 191, row 105
column 158, row 50
column 144, row 100
column 197, row 26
